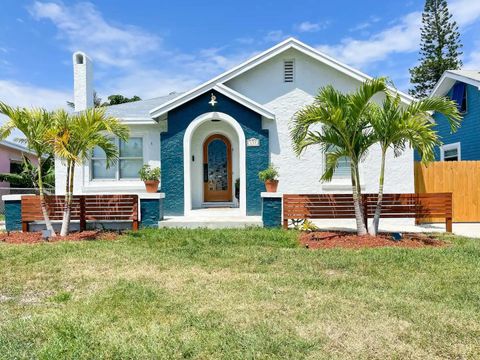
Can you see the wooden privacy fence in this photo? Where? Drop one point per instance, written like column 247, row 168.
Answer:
column 84, row 208
column 461, row 178
column 340, row 206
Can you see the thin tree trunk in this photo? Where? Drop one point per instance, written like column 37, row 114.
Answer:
column 361, row 228
column 43, row 204
column 67, row 206
column 378, row 208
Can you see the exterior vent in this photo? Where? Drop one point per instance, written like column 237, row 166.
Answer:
column 288, row 71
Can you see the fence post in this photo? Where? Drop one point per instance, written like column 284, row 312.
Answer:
column 135, row 213
column 364, row 199
column 83, row 220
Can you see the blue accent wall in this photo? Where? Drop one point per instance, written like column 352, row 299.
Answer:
column 257, row 158
column 272, row 212
column 13, row 215
column 151, row 211
column 469, row 132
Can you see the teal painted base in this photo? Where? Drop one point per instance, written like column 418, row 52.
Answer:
column 13, row 215
column 151, row 211
column 272, row 212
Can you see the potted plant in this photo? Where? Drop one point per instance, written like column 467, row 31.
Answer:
column 270, row 177
column 151, row 177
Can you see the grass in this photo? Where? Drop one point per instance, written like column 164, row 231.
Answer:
column 237, row 294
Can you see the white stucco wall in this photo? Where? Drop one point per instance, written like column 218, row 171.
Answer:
column 198, row 138
column 83, row 183
column 264, row 84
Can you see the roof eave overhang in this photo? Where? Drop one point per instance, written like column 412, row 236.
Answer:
column 224, row 90
column 138, row 121
column 448, row 79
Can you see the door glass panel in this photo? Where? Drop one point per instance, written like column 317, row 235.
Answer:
column 217, row 166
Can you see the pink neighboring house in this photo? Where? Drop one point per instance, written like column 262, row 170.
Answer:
column 11, row 153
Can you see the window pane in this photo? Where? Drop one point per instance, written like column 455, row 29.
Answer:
column 343, row 169
column 99, row 153
column 450, row 153
column 100, row 171
column 129, row 168
column 133, row 147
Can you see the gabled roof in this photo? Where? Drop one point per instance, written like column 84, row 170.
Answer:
column 449, row 78
column 290, row 43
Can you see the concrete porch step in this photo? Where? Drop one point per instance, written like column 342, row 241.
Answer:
column 210, row 222
column 218, row 204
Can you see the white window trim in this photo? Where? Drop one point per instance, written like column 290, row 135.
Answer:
column 117, row 178
column 453, row 146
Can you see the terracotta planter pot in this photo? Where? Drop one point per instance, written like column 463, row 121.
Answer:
column 151, row 185
column 271, row 185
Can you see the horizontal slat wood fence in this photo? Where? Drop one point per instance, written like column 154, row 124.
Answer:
column 461, row 178
column 340, row 206
column 84, row 208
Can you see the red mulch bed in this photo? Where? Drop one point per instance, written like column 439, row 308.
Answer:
column 329, row 240
column 36, row 237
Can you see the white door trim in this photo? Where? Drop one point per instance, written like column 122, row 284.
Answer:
column 187, row 157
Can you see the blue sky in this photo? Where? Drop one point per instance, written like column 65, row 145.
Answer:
column 150, row 48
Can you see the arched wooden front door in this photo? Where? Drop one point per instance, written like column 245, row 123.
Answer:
column 217, row 169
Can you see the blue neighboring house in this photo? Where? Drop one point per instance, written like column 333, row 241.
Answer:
column 462, row 86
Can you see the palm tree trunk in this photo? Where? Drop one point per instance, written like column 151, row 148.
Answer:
column 361, row 228
column 43, row 204
column 67, row 207
column 378, row 209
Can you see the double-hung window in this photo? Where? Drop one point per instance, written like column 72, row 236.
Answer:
column 343, row 166
column 129, row 162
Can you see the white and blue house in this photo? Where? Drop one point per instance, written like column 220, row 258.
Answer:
column 223, row 132
column 462, row 86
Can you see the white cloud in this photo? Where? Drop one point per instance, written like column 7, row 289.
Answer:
column 473, row 59
column 84, row 28
column 129, row 56
column 465, row 12
column 308, row 26
column 14, row 93
column 275, row 36
column 402, row 37
column 18, row 94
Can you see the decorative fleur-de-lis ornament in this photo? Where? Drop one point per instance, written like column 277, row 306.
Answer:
column 213, row 100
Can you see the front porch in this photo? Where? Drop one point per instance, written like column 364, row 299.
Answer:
column 213, row 217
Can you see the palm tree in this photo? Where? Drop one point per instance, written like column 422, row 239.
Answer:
column 34, row 124
column 339, row 124
column 396, row 127
column 75, row 136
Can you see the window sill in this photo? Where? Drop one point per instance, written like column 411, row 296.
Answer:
column 340, row 185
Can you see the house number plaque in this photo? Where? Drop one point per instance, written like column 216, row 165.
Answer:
column 253, row 142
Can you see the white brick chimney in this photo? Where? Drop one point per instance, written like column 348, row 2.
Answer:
column 82, row 81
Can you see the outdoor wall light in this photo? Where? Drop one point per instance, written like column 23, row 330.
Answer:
column 213, row 100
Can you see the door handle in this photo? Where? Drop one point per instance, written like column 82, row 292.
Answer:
column 205, row 172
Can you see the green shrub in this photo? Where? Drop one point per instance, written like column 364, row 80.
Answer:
column 148, row 173
column 270, row 173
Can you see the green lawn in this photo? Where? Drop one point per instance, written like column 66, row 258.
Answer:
column 237, row 294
